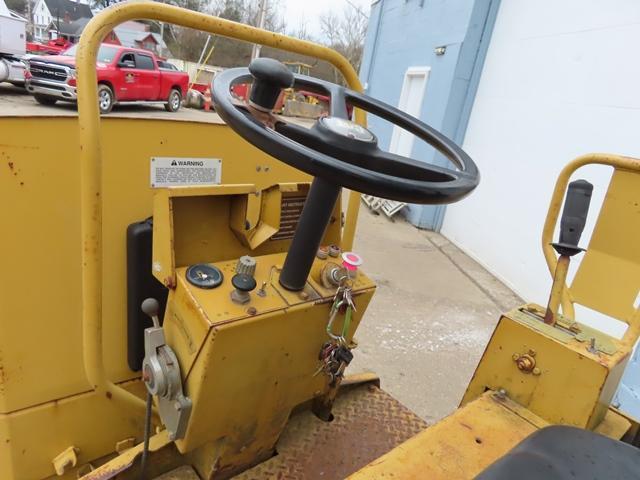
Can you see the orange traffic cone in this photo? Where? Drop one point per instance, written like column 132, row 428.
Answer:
column 207, row 99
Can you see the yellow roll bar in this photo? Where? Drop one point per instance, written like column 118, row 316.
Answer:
column 563, row 295
column 91, row 154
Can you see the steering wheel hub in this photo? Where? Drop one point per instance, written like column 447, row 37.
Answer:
column 347, row 129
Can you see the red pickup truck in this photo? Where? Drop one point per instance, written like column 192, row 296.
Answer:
column 125, row 76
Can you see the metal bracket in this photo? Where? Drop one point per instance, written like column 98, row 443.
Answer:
column 161, row 374
column 67, row 459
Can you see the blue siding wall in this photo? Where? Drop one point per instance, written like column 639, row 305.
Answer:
column 405, row 33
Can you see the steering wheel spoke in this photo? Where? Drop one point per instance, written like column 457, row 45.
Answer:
column 406, row 167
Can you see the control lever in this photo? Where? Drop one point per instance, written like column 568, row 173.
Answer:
column 574, row 217
column 572, row 222
column 161, row 375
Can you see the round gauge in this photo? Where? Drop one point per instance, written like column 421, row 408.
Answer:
column 203, row 275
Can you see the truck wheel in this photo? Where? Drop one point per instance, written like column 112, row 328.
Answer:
column 45, row 99
column 105, row 98
column 174, row 101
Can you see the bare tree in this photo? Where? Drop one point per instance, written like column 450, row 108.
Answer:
column 301, row 31
column 345, row 32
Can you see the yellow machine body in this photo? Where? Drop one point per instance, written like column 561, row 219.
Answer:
column 69, row 404
column 560, row 375
column 43, row 387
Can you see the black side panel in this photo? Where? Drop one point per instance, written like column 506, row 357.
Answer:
column 141, row 284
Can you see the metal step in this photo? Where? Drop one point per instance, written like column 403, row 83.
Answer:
column 368, row 423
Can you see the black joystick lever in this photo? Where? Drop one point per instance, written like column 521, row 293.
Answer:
column 574, row 218
column 269, row 78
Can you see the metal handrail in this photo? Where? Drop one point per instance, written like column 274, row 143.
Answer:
column 615, row 161
column 91, row 154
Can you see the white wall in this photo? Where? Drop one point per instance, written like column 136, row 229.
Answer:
column 561, row 78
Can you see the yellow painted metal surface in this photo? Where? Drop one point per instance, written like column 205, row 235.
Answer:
column 614, row 425
column 41, row 188
column 81, row 200
column 208, row 224
column 459, row 446
column 39, row 183
column 613, row 252
column 469, row 440
column 256, row 362
column 32, row 438
column 575, row 381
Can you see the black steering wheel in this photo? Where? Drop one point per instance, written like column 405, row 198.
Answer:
column 337, row 152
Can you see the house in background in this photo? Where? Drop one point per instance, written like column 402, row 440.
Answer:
column 54, row 12
column 138, row 35
column 70, row 31
column 524, row 87
column 130, row 34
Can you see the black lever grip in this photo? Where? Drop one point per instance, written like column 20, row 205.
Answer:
column 270, row 76
column 574, row 217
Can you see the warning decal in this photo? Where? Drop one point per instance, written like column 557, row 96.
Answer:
column 184, row 172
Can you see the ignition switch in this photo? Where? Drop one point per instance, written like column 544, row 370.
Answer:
column 333, row 275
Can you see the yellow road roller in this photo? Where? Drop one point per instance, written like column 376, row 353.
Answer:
column 179, row 298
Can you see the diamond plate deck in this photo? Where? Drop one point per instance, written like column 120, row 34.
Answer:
column 368, row 423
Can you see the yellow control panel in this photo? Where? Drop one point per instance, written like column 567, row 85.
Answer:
column 245, row 366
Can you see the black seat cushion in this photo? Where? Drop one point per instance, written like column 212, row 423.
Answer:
column 562, row 453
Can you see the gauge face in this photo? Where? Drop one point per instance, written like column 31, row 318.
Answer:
column 203, row 275
column 347, row 128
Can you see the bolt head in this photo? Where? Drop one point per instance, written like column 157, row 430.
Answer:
column 536, row 371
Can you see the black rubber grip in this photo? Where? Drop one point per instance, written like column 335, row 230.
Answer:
column 574, row 213
column 270, row 77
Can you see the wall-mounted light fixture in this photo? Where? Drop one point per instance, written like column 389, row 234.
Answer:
column 440, row 50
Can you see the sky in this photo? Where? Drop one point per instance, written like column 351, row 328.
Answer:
column 298, row 11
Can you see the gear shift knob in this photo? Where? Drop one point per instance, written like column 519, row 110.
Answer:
column 269, row 78
column 151, row 307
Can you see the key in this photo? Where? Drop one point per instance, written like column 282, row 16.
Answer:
column 326, row 350
column 348, row 298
